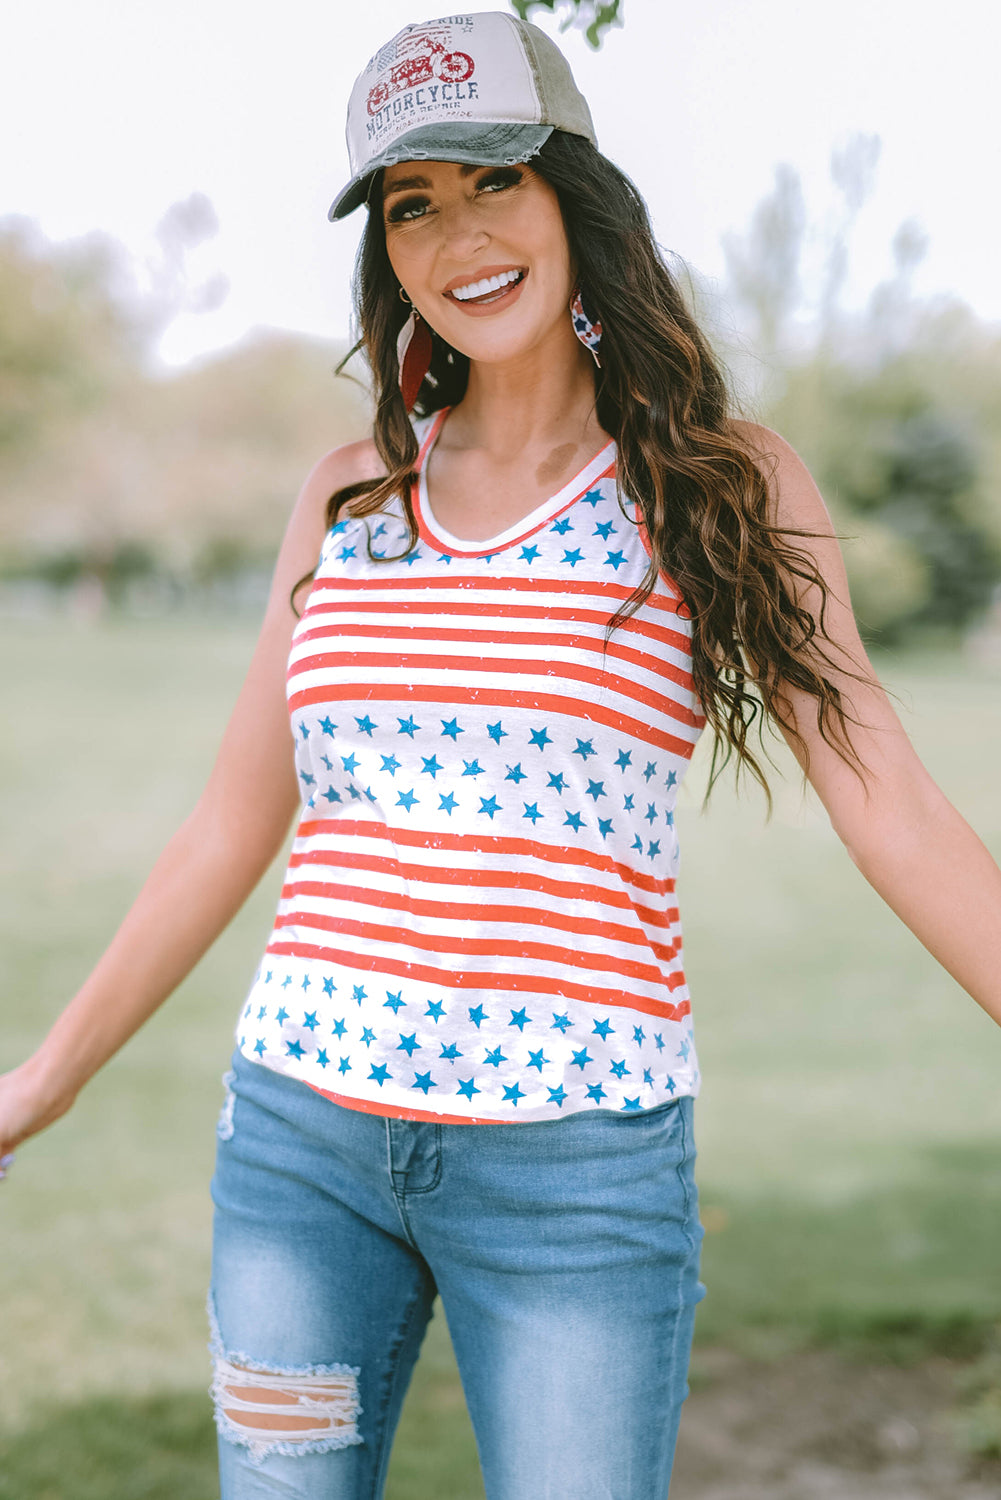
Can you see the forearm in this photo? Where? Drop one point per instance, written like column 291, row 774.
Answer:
column 938, row 877
column 196, row 887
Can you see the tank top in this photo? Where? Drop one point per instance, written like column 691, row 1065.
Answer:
column 479, row 921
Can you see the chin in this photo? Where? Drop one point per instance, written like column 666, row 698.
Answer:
column 502, row 348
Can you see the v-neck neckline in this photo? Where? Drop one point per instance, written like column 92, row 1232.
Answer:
column 433, row 533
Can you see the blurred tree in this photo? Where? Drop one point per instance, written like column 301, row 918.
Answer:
column 110, row 471
column 907, row 479
column 853, row 174
column 895, row 410
column 907, row 473
column 188, row 475
column 174, row 288
column 76, row 326
column 69, row 331
column 594, row 17
column 892, row 307
column 763, row 265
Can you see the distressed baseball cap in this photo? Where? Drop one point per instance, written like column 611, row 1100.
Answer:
column 478, row 89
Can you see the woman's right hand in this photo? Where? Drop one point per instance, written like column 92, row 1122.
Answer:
column 27, row 1104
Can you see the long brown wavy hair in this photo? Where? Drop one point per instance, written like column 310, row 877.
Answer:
column 662, row 395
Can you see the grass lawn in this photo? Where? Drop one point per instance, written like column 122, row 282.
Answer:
column 848, row 1127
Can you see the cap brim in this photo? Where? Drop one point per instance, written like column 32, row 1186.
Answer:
column 471, row 143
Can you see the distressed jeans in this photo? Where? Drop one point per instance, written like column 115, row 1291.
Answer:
column 565, row 1253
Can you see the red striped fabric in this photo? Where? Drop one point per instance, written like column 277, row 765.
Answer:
column 479, row 918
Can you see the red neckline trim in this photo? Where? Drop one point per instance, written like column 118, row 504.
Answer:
column 425, row 522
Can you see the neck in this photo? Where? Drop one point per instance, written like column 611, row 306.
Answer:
column 545, row 395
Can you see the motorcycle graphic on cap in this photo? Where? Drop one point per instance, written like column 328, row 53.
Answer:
column 428, row 58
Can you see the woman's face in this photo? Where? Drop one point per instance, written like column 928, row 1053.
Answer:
column 482, row 253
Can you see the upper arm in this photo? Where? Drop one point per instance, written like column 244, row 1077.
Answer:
column 252, row 791
column 888, row 770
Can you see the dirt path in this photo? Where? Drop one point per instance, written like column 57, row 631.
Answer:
column 814, row 1427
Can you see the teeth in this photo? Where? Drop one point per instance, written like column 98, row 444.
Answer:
column 480, row 288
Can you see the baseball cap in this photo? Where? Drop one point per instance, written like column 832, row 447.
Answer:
column 485, row 88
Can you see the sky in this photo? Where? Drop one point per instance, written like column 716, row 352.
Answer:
column 111, row 111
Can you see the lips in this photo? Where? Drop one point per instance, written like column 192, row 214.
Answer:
column 490, row 285
column 475, row 291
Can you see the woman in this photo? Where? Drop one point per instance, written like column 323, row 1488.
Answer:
column 527, row 604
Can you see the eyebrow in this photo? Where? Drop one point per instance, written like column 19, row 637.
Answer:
column 406, row 184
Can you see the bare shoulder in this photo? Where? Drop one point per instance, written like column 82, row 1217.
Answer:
column 795, row 497
column 351, row 463
column 763, row 441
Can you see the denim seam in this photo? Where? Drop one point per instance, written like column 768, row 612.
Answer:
column 397, row 1199
column 689, row 1237
column 401, row 1194
column 408, row 1192
column 381, row 1450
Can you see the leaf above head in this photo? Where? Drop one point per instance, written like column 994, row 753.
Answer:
column 593, row 17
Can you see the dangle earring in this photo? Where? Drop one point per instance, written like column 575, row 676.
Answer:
column 413, row 354
column 587, row 329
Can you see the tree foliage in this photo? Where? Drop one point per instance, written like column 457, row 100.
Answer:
column 69, row 338
column 763, row 264
column 113, row 470
column 895, row 408
column 594, row 17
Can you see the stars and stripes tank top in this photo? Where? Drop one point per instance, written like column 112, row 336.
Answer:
column 479, row 921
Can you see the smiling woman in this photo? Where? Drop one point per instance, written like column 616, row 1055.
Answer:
column 466, row 1064
column 460, row 214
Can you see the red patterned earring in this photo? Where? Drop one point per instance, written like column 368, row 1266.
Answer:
column 587, row 329
column 413, row 354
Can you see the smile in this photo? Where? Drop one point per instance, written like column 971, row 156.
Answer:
column 489, row 290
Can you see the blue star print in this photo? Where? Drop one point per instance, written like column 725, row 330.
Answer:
column 462, row 870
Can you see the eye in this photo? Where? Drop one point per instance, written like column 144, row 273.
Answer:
column 499, row 178
column 407, row 209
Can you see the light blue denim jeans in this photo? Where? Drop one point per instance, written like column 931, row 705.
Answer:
column 565, row 1253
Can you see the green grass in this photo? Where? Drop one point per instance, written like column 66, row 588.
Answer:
column 848, row 1126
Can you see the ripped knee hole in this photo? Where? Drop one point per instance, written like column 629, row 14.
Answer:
column 292, row 1408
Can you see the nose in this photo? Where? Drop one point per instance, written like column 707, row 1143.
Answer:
column 462, row 231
